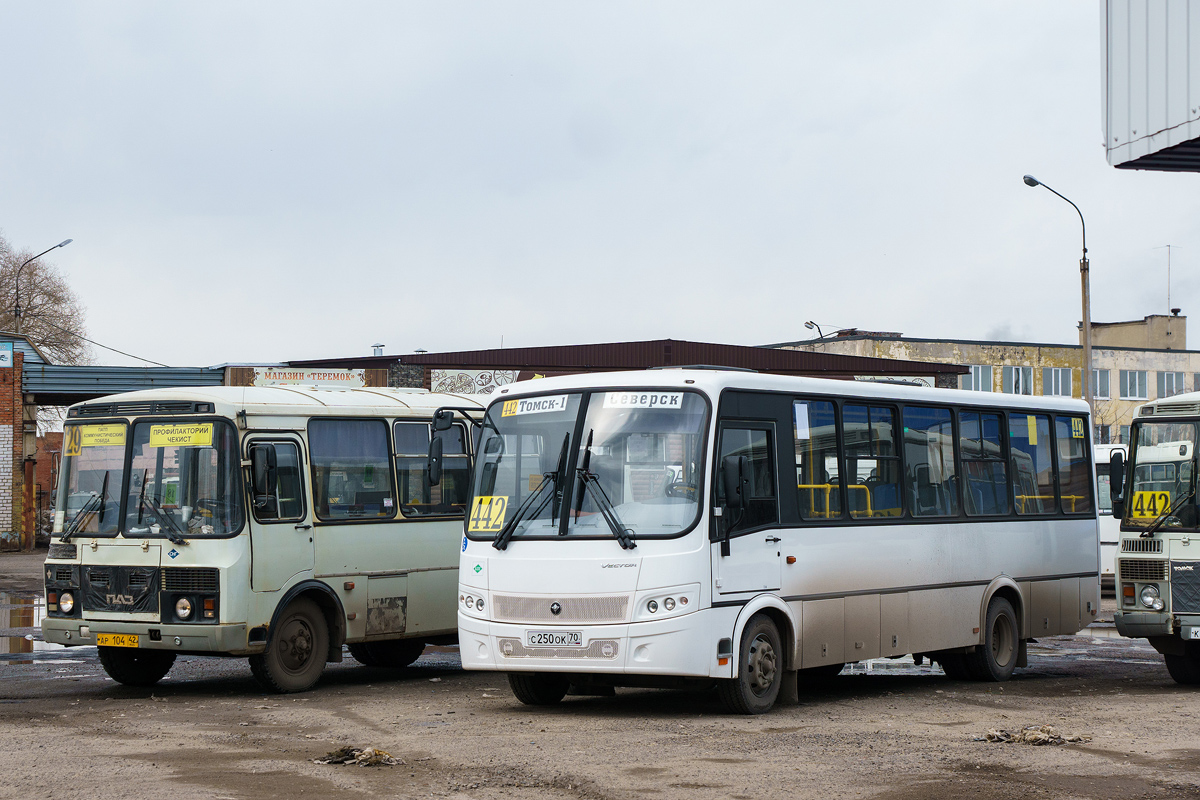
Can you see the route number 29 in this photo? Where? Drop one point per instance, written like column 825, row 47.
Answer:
column 487, row 514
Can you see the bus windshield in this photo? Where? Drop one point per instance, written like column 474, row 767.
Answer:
column 89, row 491
column 633, row 464
column 1162, row 475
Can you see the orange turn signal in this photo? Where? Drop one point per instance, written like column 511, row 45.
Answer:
column 722, row 661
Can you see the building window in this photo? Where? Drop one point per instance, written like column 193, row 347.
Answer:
column 1133, row 384
column 1100, row 384
column 1056, row 381
column 1170, row 383
column 1018, row 380
column 979, row 379
column 1124, row 435
column 1101, row 435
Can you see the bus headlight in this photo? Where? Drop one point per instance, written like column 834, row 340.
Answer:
column 183, row 608
column 66, row 602
column 1150, row 598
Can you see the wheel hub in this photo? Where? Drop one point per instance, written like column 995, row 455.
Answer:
column 760, row 666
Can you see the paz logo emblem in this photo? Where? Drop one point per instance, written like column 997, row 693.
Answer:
column 555, row 609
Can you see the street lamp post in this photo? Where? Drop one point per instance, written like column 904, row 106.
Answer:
column 17, row 286
column 1087, row 301
column 810, row 325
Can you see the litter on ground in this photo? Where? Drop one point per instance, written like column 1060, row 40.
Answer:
column 359, row 756
column 1034, row 734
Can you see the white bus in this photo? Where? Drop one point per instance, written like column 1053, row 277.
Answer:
column 1110, row 525
column 697, row 525
column 276, row 523
column 1158, row 566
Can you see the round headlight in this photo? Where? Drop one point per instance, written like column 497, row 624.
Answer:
column 479, row 604
column 66, row 602
column 183, row 608
column 669, row 604
column 652, row 606
column 470, row 601
column 1149, row 595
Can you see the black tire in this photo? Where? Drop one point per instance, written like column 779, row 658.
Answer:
column 760, row 669
column 955, row 666
column 392, row 653
column 539, row 688
column 136, row 667
column 996, row 657
column 1184, row 669
column 296, row 652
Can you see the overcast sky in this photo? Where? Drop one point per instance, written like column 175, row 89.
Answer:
column 273, row 181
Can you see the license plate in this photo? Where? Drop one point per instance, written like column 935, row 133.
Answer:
column 117, row 639
column 554, row 638
column 1195, row 633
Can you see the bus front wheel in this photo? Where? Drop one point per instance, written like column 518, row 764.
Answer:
column 996, row 657
column 295, row 655
column 1184, row 669
column 134, row 667
column 539, row 689
column 760, row 669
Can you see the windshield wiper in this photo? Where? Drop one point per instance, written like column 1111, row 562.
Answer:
column 591, row 484
column 94, row 503
column 169, row 527
column 1163, row 517
column 523, row 512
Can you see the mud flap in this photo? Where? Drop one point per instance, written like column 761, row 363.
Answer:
column 789, row 689
column 1023, row 654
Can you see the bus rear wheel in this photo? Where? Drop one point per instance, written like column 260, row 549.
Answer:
column 539, row 689
column 1184, row 669
column 760, row 669
column 134, row 667
column 996, row 657
column 295, row 655
column 392, row 653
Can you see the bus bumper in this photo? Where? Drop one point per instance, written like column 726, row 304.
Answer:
column 1143, row 624
column 678, row 646
column 180, row 638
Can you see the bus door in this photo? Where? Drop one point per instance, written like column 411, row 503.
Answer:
column 281, row 532
column 753, row 562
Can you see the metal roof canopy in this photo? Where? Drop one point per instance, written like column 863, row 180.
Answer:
column 654, row 353
column 62, row 384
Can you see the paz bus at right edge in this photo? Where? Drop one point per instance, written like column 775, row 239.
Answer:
column 693, row 526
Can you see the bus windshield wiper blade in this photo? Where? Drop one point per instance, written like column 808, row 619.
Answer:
column 1158, row 523
column 174, row 534
column 81, row 518
column 592, row 484
column 523, row 511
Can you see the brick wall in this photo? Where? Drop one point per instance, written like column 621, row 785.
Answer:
column 11, row 482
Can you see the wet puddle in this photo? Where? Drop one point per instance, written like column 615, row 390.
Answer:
column 18, row 612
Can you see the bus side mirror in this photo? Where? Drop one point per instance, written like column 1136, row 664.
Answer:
column 1116, row 483
column 263, row 476
column 735, row 472
column 442, row 419
column 433, row 464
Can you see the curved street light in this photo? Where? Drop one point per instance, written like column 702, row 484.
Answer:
column 1087, row 300
column 810, row 325
column 17, row 287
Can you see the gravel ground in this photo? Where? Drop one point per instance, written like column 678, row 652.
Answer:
column 888, row 729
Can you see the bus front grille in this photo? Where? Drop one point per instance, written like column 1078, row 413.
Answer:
column 604, row 608
column 606, row 649
column 1185, row 587
column 1143, row 570
column 1141, row 545
column 189, row 579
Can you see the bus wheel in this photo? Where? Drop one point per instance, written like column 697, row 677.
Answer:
column 392, row 653
column 760, row 670
column 295, row 654
column 539, row 689
column 1184, row 669
column 134, row 667
column 996, row 657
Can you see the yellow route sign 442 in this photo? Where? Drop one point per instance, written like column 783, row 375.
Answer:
column 487, row 514
column 1148, row 505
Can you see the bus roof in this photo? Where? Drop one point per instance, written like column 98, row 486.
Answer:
column 714, row 381
column 280, row 399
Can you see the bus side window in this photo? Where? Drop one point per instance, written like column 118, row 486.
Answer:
column 288, row 489
column 985, row 470
column 1032, row 468
column 762, row 508
column 872, row 462
column 929, row 461
column 818, row 477
column 1075, row 485
column 417, row 497
column 351, row 474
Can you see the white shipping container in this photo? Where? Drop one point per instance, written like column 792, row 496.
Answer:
column 1150, row 58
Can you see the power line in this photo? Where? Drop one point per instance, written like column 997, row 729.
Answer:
column 106, row 347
